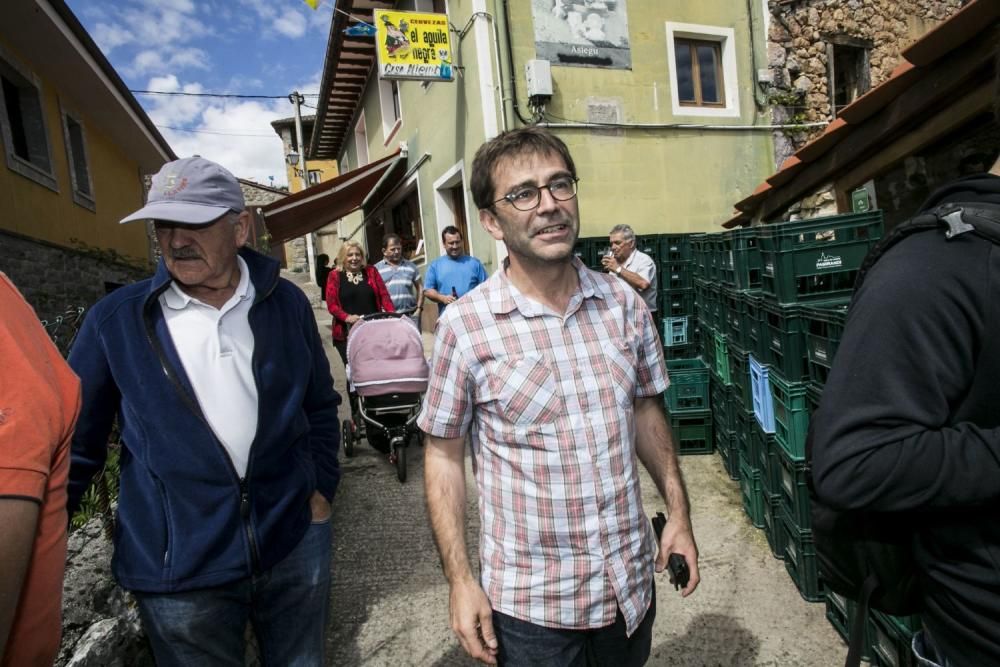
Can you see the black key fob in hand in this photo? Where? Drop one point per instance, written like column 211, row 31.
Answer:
column 679, row 573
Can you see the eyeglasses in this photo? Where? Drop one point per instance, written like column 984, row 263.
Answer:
column 528, row 197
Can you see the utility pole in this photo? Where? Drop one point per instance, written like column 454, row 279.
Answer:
column 296, row 99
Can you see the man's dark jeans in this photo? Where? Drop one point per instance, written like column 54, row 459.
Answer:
column 524, row 643
column 287, row 605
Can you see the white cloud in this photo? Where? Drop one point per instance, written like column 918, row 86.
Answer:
column 291, row 24
column 191, row 57
column 110, row 37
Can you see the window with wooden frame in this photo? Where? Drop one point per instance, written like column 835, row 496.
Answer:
column 22, row 123
column 700, row 80
column 848, row 70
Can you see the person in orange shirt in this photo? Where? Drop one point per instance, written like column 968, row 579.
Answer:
column 39, row 404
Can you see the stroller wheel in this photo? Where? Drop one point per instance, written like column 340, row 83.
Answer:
column 400, row 455
column 348, row 433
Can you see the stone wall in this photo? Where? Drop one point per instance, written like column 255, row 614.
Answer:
column 53, row 278
column 800, row 32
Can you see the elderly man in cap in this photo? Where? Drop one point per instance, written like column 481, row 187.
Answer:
column 216, row 373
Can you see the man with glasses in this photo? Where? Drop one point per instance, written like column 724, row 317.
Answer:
column 557, row 373
column 216, row 374
column 631, row 265
column 453, row 275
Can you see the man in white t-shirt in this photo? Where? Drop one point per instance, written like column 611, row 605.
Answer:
column 631, row 265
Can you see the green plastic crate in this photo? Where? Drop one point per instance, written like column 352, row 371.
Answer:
column 747, row 265
column 649, row 244
column 584, row 249
column 773, row 530
column 674, row 247
column 890, row 642
column 823, row 330
column 791, row 488
column 724, row 272
column 744, row 435
column 753, row 497
column 727, row 451
column 800, row 560
column 791, row 414
column 783, row 328
column 723, row 415
column 817, row 259
column 766, row 448
column 675, row 275
column 739, row 372
column 732, row 315
column 700, row 255
column 693, row 432
column 675, row 303
column 752, row 312
column 689, row 351
column 675, row 331
column 721, row 358
column 688, row 390
column 841, row 613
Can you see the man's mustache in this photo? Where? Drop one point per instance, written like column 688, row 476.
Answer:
column 184, row 253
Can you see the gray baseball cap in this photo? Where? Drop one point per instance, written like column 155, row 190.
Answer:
column 191, row 191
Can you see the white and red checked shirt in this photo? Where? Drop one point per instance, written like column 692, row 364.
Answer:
column 550, row 402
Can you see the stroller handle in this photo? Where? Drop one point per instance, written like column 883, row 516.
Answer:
column 386, row 316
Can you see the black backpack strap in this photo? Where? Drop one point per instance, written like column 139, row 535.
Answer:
column 856, row 640
column 957, row 218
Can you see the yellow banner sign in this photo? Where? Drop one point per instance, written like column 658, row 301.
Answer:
column 413, row 46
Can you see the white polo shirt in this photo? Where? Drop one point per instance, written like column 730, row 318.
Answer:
column 216, row 349
column 642, row 264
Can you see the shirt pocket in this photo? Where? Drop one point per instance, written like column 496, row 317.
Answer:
column 526, row 390
column 618, row 368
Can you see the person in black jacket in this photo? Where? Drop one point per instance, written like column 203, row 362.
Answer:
column 323, row 270
column 909, row 421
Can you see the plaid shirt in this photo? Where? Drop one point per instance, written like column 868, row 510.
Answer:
column 550, row 402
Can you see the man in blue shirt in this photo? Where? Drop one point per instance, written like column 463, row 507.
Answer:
column 454, row 274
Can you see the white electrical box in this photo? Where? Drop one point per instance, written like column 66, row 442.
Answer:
column 538, row 74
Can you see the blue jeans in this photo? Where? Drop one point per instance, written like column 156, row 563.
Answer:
column 525, row 643
column 287, row 605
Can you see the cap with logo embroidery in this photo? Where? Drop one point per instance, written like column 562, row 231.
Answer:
column 191, row 191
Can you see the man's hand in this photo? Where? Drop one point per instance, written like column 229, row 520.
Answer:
column 472, row 621
column 447, row 299
column 320, row 507
column 679, row 538
column 610, row 264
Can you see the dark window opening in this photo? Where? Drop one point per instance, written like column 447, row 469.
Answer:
column 24, row 116
column 849, row 77
column 78, row 157
column 699, row 73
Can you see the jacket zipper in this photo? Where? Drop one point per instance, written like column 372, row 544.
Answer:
column 242, row 482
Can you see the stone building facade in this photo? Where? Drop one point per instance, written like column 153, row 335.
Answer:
column 54, row 279
column 822, row 54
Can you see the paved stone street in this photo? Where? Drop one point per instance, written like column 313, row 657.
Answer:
column 390, row 600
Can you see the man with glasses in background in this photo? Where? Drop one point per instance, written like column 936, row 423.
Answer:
column 557, row 373
column 631, row 264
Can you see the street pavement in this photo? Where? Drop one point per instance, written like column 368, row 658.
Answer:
column 389, row 601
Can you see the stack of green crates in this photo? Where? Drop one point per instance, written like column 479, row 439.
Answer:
column 688, row 403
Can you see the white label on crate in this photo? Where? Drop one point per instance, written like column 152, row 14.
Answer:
column 792, row 552
column 828, row 261
column 820, row 353
column 769, row 268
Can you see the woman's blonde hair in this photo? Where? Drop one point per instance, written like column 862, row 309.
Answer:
column 342, row 255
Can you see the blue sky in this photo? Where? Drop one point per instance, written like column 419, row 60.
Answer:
column 248, row 47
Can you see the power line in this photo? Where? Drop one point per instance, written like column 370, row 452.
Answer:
column 225, row 134
column 230, row 95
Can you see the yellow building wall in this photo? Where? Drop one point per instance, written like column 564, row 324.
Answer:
column 33, row 210
column 327, row 168
column 663, row 180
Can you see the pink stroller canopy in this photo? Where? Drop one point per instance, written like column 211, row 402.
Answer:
column 386, row 356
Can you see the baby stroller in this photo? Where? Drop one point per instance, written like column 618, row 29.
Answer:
column 387, row 368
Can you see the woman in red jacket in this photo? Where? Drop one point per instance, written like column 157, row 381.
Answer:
column 354, row 289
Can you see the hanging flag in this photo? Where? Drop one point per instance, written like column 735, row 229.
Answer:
column 360, row 29
column 312, row 3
